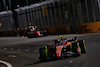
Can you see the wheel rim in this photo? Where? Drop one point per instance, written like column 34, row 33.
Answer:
column 85, row 48
column 79, row 50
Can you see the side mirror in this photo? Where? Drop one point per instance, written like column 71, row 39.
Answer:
column 75, row 38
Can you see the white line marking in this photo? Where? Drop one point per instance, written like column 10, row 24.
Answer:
column 12, row 48
column 18, row 49
column 28, row 47
column 70, row 61
column 35, row 51
column 12, row 56
column 6, row 63
column 65, row 66
column 27, row 60
column 26, row 50
column 5, row 48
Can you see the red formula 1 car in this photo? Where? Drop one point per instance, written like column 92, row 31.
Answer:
column 34, row 32
column 63, row 48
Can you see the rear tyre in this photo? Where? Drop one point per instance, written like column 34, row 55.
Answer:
column 29, row 36
column 82, row 46
column 76, row 48
column 45, row 33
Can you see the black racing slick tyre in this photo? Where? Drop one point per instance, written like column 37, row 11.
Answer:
column 29, row 36
column 82, row 45
column 45, row 33
column 76, row 48
column 43, row 53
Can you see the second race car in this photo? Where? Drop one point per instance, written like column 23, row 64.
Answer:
column 34, row 32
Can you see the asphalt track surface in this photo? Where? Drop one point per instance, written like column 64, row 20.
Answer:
column 23, row 52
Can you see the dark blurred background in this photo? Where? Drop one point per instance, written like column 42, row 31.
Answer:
column 13, row 4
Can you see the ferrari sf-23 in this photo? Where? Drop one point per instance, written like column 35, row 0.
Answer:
column 63, row 48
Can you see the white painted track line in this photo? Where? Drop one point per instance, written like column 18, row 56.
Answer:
column 6, row 63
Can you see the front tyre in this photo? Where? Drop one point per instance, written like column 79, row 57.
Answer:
column 43, row 53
